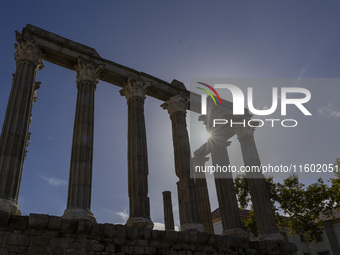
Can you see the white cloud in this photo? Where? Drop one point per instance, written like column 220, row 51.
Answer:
column 123, row 214
column 53, row 181
column 158, row 226
column 161, row 226
column 327, row 111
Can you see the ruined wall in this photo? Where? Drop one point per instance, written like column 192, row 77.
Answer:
column 44, row 234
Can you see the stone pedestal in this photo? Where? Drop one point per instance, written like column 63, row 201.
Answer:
column 264, row 214
column 80, row 180
column 188, row 209
column 204, row 209
column 226, row 194
column 14, row 135
column 134, row 91
column 168, row 213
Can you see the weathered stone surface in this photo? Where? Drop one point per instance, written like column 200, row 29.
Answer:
column 14, row 136
column 62, row 243
column 204, row 208
column 132, row 232
column 139, row 206
column 80, row 180
column 75, row 237
column 120, row 230
column 68, row 226
column 37, row 250
column 263, row 210
column 4, row 251
column 183, row 236
column 84, row 227
column 158, row 235
column 18, row 239
column 168, row 213
column 43, row 234
column 54, row 223
column 38, row 221
column 187, row 199
column 97, row 229
column 40, row 240
column 18, row 222
column 4, row 217
column 139, row 250
column 110, row 230
column 193, row 236
column 202, row 237
column 112, row 73
column 226, row 194
column 97, row 247
column 110, row 248
column 171, row 236
column 146, row 233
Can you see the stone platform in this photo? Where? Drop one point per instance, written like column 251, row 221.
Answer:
column 38, row 234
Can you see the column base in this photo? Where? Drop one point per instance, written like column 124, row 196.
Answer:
column 79, row 214
column 192, row 226
column 10, row 205
column 236, row 232
column 275, row 237
column 140, row 222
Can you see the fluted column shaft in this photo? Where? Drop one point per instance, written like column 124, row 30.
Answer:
column 168, row 213
column 264, row 214
column 204, row 209
column 139, row 205
column 80, row 179
column 226, row 194
column 14, row 133
column 188, row 208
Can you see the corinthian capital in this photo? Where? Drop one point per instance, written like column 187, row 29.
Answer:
column 203, row 118
column 176, row 104
column 134, row 88
column 244, row 131
column 218, row 113
column 27, row 49
column 87, row 70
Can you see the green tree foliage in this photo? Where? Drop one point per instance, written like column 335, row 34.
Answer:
column 250, row 223
column 296, row 206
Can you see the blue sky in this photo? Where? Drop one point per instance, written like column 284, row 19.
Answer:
column 170, row 40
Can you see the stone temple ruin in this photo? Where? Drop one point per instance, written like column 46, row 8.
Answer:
column 77, row 231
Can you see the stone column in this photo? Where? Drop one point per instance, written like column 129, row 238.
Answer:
column 264, row 214
column 80, row 180
column 35, row 99
column 168, row 213
column 188, row 209
column 180, row 205
column 226, row 194
column 15, row 134
column 204, row 209
column 139, row 204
